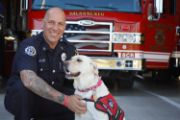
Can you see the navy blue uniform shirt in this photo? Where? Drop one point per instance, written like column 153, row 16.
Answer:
column 34, row 54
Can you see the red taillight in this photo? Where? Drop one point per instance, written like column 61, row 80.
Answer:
column 125, row 28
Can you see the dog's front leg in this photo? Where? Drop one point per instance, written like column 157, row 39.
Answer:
column 85, row 116
column 96, row 114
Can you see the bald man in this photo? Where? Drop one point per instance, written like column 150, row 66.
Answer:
column 36, row 87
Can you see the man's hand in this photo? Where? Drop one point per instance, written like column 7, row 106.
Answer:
column 75, row 104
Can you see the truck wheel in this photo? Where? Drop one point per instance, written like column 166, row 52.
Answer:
column 164, row 76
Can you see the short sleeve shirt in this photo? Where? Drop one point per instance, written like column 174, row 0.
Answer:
column 34, row 54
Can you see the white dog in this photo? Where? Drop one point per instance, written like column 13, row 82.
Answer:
column 101, row 105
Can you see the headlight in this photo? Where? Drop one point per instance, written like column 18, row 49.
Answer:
column 133, row 38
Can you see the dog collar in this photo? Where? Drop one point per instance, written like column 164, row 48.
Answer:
column 93, row 87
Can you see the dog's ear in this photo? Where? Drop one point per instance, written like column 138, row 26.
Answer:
column 95, row 69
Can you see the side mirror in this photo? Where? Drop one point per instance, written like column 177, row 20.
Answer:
column 178, row 30
column 155, row 14
column 159, row 6
column 1, row 22
column 23, row 6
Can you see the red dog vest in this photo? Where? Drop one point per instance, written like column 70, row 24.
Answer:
column 109, row 105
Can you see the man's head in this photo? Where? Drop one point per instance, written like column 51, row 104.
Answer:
column 54, row 25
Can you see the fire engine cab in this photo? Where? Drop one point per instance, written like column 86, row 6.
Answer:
column 125, row 38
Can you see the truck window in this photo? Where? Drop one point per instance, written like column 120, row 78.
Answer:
column 99, row 5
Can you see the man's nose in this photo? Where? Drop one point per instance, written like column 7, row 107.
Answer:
column 56, row 27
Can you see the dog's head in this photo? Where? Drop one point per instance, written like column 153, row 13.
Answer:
column 80, row 65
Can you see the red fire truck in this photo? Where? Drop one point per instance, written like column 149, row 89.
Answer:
column 126, row 38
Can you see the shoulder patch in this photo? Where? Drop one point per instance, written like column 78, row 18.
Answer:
column 30, row 50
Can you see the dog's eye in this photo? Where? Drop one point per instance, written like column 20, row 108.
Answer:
column 79, row 60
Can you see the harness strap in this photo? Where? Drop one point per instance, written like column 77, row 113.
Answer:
column 88, row 100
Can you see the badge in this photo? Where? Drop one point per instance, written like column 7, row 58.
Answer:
column 63, row 56
column 30, row 50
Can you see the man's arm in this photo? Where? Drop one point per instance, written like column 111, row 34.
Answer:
column 40, row 87
column 37, row 85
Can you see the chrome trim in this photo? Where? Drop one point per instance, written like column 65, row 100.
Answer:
column 86, row 22
column 178, row 30
column 90, row 36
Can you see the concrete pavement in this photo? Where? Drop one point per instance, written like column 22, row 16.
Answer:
column 4, row 115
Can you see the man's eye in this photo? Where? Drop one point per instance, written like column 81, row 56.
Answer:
column 51, row 22
column 61, row 24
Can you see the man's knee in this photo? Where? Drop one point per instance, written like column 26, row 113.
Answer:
column 16, row 96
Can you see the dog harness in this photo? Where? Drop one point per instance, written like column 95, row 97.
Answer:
column 108, row 104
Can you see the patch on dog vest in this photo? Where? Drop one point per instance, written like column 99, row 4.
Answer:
column 109, row 105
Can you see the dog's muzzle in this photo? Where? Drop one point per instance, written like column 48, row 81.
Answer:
column 67, row 72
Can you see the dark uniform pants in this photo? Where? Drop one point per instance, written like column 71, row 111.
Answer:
column 24, row 105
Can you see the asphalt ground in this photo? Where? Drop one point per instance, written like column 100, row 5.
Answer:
column 4, row 115
column 146, row 101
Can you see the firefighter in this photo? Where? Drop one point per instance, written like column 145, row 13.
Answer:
column 35, row 88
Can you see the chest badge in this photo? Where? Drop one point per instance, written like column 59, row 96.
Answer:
column 63, row 56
